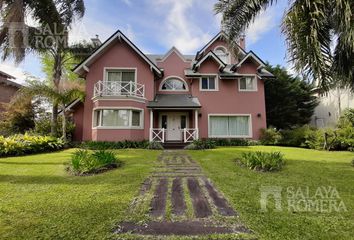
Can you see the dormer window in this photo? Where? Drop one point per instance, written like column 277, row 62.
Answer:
column 173, row 84
column 223, row 54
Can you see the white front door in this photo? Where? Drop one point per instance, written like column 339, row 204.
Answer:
column 174, row 124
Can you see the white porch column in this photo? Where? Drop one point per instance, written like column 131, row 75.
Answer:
column 196, row 118
column 151, row 124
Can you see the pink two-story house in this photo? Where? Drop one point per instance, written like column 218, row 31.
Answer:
column 171, row 97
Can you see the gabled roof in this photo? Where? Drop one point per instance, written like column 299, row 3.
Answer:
column 207, row 56
column 252, row 55
column 83, row 66
column 221, row 34
column 172, row 50
column 8, row 76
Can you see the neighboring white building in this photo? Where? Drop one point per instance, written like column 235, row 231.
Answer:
column 331, row 107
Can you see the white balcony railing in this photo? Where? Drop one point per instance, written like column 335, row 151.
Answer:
column 113, row 88
column 190, row 134
column 157, row 135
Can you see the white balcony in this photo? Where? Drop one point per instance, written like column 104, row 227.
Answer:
column 116, row 89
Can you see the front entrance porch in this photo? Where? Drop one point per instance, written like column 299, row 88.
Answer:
column 174, row 126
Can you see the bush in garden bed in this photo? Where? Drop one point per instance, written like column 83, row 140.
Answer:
column 18, row 145
column 201, row 144
column 84, row 162
column 262, row 161
column 103, row 145
column 155, row 146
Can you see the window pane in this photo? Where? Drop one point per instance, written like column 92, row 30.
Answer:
column 211, row 83
column 219, row 126
column 243, row 83
column 183, row 122
column 109, row 118
column 96, row 118
column 238, row 126
column 174, row 85
column 249, row 83
column 136, row 118
column 164, row 121
column 128, row 76
column 204, row 83
column 113, row 76
column 123, row 118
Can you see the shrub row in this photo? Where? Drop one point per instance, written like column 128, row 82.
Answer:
column 212, row 143
column 101, row 145
column 85, row 162
column 17, row 145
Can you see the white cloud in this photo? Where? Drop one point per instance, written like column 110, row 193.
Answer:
column 178, row 27
column 127, row 2
column 264, row 22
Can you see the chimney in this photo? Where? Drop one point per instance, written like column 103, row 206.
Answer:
column 242, row 41
column 96, row 41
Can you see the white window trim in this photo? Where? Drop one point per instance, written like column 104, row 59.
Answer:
column 216, row 83
column 130, row 127
column 106, row 69
column 171, row 77
column 231, row 115
column 248, row 90
column 225, row 50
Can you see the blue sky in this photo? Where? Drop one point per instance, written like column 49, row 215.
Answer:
column 157, row 25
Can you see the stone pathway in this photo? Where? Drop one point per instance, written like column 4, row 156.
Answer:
column 179, row 199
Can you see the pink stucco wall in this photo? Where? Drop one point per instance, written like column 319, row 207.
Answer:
column 122, row 56
column 228, row 100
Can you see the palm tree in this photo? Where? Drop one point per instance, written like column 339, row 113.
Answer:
column 311, row 27
column 56, row 16
column 66, row 93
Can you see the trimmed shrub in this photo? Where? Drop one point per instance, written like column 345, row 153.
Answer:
column 17, row 145
column 353, row 163
column 102, row 145
column 270, row 136
column 85, row 162
column 201, row 144
column 262, row 161
column 154, row 146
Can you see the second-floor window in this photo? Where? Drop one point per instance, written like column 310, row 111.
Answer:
column 248, row 83
column 173, row 84
column 208, row 83
column 121, row 80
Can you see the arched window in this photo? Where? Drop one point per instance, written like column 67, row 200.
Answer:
column 173, row 84
column 222, row 53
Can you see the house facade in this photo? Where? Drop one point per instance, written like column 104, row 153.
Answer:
column 173, row 97
column 8, row 88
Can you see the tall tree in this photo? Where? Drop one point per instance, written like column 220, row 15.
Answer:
column 290, row 101
column 311, row 27
column 63, row 95
column 55, row 18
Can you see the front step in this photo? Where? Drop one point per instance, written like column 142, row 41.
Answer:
column 174, row 145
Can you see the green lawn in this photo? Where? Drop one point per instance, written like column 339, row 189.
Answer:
column 39, row 200
column 303, row 168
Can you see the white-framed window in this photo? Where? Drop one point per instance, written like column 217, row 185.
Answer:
column 230, row 126
column 208, row 83
column 247, row 83
column 120, row 75
column 223, row 54
column 173, row 84
column 118, row 118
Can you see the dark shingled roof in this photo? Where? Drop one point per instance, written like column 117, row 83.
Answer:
column 174, row 101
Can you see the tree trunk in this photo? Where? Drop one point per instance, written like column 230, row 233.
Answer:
column 54, row 123
column 57, row 73
column 64, row 137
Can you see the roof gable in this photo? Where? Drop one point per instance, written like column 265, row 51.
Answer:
column 252, row 55
column 173, row 50
column 220, row 35
column 84, row 65
column 207, row 56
